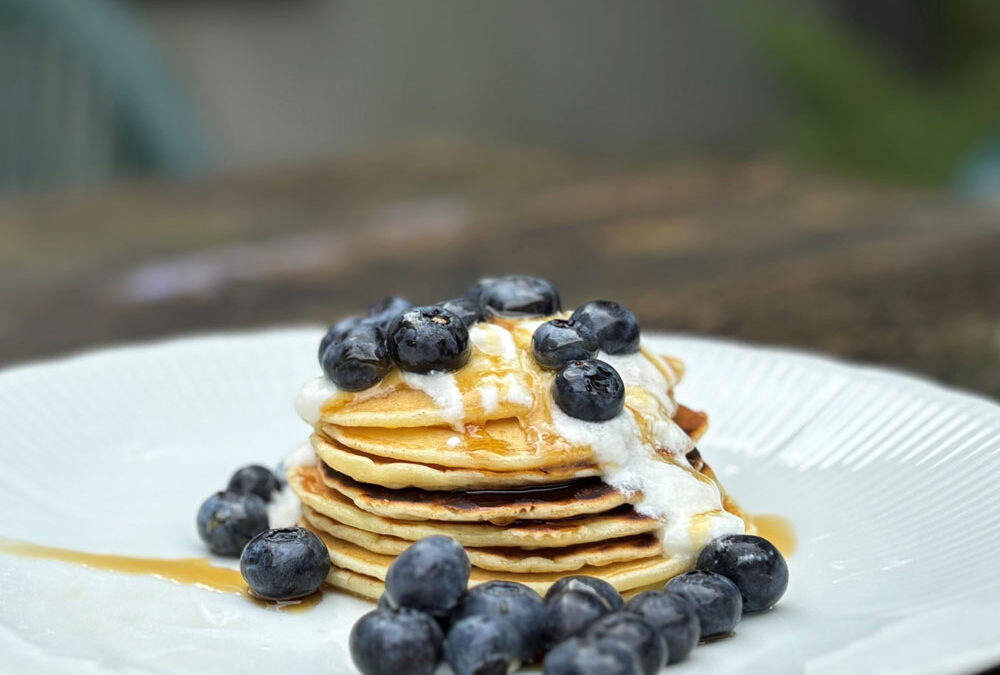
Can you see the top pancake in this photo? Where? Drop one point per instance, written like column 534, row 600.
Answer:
column 498, row 445
column 501, row 380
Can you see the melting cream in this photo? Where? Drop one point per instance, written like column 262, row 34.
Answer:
column 490, row 397
column 443, row 389
column 313, row 394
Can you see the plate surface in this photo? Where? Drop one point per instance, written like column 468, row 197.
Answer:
column 890, row 482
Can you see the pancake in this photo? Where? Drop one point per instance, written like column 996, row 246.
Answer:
column 498, row 445
column 350, row 559
column 565, row 559
column 398, row 474
column 554, row 501
column 619, row 522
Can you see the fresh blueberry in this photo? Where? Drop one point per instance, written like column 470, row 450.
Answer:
column 338, row 332
column 582, row 656
column 569, row 613
column 359, row 360
column 466, row 309
column 387, row 309
column 254, row 479
column 227, row 521
column 589, row 390
column 509, row 600
column 518, row 295
column 483, row 644
column 559, row 341
column 423, row 339
column 753, row 564
column 284, row 564
column 716, row 599
column 475, row 292
column 644, row 639
column 430, row 576
column 387, row 642
column 580, row 582
column 616, row 328
column 675, row 617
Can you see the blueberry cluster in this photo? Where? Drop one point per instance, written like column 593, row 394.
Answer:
column 280, row 564
column 229, row 519
column 586, row 387
column 357, row 352
column 581, row 627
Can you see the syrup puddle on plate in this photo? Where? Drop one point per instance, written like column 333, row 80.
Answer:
column 778, row 530
column 188, row 571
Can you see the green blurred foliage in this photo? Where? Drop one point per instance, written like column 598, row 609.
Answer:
column 861, row 111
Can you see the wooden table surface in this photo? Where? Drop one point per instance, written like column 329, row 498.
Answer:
column 754, row 251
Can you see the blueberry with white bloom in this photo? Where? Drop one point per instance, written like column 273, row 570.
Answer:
column 518, row 604
column 613, row 324
column 558, row 341
column 520, row 295
column 255, row 479
column 584, row 656
column 483, row 644
column 589, row 390
column 641, row 636
column 430, row 576
column 227, row 521
column 284, row 564
column 716, row 599
column 675, row 617
column 391, row 642
column 753, row 563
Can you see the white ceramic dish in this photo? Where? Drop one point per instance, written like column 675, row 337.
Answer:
column 889, row 480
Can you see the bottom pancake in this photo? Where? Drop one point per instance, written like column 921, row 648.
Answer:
column 362, row 572
column 566, row 559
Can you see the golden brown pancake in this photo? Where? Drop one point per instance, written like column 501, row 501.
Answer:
column 505, row 558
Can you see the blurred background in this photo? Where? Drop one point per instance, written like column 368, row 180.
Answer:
column 821, row 173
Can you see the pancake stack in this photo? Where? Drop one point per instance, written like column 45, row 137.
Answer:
column 474, row 455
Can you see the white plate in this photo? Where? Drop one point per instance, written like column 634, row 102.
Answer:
column 890, row 482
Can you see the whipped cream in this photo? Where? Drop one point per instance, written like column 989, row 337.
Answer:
column 283, row 509
column 443, row 388
column 313, row 394
column 494, row 340
column 490, row 396
column 639, row 370
column 689, row 505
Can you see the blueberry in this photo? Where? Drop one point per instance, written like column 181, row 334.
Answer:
column 675, row 617
column 227, row 521
column 254, row 479
column 423, row 339
column 753, row 564
column 581, row 656
column 338, row 332
column 466, row 309
column 509, row 600
column 483, row 644
column 387, row 309
column 637, row 633
column 589, row 390
column 430, row 576
column 387, row 642
column 569, row 613
column 616, row 328
column 716, row 599
column 584, row 583
column 475, row 292
column 559, row 341
column 359, row 360
column 517, row 295
column 284, row 564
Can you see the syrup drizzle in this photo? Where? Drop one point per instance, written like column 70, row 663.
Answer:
column 186, row 571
